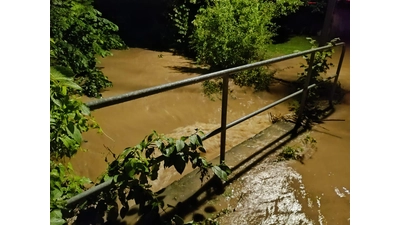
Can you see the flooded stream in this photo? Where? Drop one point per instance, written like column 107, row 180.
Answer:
column 316, row 192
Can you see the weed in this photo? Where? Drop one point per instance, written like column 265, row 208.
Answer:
column 291, row 153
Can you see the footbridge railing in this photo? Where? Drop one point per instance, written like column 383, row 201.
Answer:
column 101, row 103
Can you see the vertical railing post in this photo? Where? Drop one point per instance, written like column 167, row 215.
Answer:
column 337, row 76
column 305, row 93
column 224, row 110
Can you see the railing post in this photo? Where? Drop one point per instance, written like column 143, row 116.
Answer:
column 305, row 93
column 223, row 116
column 337, row 76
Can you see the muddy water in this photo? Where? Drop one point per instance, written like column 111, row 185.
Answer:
column 174, row 113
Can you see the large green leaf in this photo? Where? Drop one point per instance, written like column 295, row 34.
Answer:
column 55, row 194
column 56, row 218
column 220, row 173
column 75, row 134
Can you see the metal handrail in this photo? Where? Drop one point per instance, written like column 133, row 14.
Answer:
column 101, row 103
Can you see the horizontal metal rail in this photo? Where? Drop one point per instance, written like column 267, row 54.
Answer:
column 101, row 103
column 107, row 184
column 93, row 190
column 248, row 116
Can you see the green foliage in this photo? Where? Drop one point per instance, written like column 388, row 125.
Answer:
column 64, row 184
column 259, row 78
column 181, row 16
column 235, row 32
column 295, row 152
column 69, row 117
column 290, row 153
column 320, row 64
column 320, row 67
column 230, row 33
column 212, row 88
column 80, row 34
column 308, row 140
column 132, row 170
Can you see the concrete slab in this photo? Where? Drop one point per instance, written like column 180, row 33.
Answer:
column 189, row 191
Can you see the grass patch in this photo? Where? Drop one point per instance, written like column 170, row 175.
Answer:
column 295, row 43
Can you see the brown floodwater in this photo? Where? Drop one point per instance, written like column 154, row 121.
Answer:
column 174, row 113
column 320, row 194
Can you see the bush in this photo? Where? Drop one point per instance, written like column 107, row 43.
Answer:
column 80, row 34
column 236, row 32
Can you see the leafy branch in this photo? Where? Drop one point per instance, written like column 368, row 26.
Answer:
column 136, row 166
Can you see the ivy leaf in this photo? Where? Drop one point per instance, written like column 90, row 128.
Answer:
column 169, row 151
column 179, row 145
column 193, row 139
column 220, row 173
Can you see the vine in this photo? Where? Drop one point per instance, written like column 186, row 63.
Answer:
column 320, row 66
column 131, row 172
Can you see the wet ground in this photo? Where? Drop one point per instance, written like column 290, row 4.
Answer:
column 316, row 192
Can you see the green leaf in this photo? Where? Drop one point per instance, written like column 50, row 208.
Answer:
column 55, row 194
column 107, row 178
column 204, row 161
column 64, row 71
column 74, row 133
column 68, row 142
column 115, row 178
column 56, row 218
column 179, row 145
column 220, row 173
column 85, row 110
column 193, row 139
column 55, row 101
column 169, row 151
column 64, row 90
